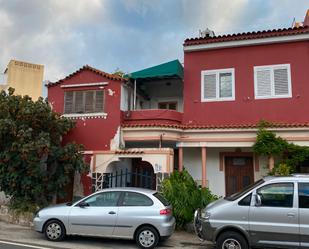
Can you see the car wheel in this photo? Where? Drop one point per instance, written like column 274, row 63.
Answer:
column 147, row 237
column 233, row 240
column 197, row 224
column 54, row 230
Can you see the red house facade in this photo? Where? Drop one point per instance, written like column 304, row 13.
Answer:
column 156, row 121
column 99, row 102
column 91, row 98
column 231, row 82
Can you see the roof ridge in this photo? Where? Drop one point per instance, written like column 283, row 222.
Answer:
column 259, row 33
column 222, row 126
column 87, row 67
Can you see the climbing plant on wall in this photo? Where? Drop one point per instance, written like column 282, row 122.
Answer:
column 289, row 154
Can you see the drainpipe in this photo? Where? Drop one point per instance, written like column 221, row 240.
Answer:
column 161, row 140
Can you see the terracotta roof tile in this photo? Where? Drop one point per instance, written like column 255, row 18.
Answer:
column 89, row 68
column 177, row 126
column 131, row 152
column 209, row 127
column 247, row 35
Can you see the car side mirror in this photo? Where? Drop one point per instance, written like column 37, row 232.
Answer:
column 258, row 200
column 83, row 204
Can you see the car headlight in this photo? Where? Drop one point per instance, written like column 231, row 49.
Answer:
column 205, row 215
column 37, row 215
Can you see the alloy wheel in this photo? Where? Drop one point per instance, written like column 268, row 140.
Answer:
column 231, row 244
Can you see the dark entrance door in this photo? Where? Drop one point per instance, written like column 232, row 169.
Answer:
column 142, row 174
column 238, row 173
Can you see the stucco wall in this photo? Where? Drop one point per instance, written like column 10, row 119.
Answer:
column 117, row 167
column 26, row 78
column 193, row 163
column 246, row 109
column 215, row 177
column 126, row 98
column 93, row 133
column 173, row 92
column 160, row 159
column 263, row 163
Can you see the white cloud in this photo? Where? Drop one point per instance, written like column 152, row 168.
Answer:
column 74, row 12
column 129, row 34
column 141, row 8
column 222, row 15
column 5, row 20
column 47, row 32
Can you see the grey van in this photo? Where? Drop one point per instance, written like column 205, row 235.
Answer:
column 273, row 212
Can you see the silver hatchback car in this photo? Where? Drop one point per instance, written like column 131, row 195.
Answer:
column 273, row 212
column 128, row 213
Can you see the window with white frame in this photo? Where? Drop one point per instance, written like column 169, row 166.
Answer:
column 273, row 81
column 218, row 85
column 91, row 101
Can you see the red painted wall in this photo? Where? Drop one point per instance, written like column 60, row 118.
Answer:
column 94, row 134
column 245, row 109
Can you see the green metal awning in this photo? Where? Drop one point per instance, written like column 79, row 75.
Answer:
column 166, row 70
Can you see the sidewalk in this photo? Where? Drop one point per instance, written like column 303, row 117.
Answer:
column 16, row 233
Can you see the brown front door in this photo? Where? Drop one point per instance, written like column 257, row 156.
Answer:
column 238, row 173
column 142, row 174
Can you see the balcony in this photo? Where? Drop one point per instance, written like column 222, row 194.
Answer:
column 152, row 116
column 154, row 95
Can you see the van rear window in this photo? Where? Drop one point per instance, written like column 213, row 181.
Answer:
column 162, row 199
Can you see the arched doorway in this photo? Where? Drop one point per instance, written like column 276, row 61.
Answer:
column 126, row 172
column 118, row 174
column 143, row 175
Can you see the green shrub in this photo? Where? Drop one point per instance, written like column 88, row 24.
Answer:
column 185, row 196
column 23, row 206
column 282, row 169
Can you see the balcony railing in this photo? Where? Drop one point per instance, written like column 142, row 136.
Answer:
column 153, row 116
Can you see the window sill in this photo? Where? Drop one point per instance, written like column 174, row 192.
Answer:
column 218, row 100
column 274, row 97
column 85, row 115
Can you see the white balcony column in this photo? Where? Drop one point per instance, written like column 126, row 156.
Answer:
column 204, row 176
column 271, row 162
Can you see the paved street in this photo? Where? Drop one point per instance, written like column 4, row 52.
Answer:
column 14, row 245
column 18, row 237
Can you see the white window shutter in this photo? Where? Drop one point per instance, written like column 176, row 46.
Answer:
column 263, row 82
column 281, row 81
column 210, row 86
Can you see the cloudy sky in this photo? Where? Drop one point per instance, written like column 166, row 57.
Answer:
column 126, row 34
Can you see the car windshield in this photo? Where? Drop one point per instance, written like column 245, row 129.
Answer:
column 244, row 191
